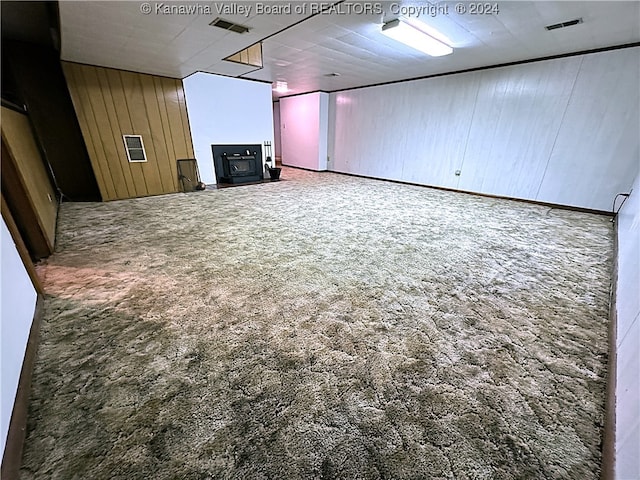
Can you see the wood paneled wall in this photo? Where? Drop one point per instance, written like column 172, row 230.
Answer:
column 561, row 131
column 26, row 185
column 111, row 103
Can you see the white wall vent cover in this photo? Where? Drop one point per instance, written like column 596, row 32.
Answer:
column 135, row 148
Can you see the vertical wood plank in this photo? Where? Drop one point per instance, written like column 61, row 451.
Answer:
column 128, row 91
column 255, row 54
column 98, row 161
column 21, row 156
column 140, row 122
column 70, row 73
column 96, row 100
column 186, row 129
column 166, row 130
column 124, row 121
column 156, row 133
column 175, row 119
column 117, row 154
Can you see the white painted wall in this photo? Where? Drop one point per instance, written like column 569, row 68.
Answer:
column 628, row 339
column 323, row 134
column 225, row 110
column 561, row 131
column 277, row 149
column 304, row 124
column 597, row 151
column 16, row 315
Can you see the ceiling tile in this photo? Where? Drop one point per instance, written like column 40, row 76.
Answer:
column 302, row 49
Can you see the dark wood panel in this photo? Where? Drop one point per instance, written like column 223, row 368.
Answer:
column 41, row 82
column 15, row 199
column 90, row 131
column 27, row 176
column 18, row 241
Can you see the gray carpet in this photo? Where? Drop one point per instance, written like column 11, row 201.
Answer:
column 322, row 327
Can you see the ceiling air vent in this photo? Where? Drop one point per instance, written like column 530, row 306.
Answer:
column 234, row 27
column 555, row 26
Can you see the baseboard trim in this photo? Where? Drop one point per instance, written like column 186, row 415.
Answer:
column 609, row 433
column 488, row 195
column 305, row 168
column 12, row 456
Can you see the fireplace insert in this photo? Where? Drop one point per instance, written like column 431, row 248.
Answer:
column 238, row 163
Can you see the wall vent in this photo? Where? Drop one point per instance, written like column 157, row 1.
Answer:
column 569, row 23
column 135, row 148
column 234, row 27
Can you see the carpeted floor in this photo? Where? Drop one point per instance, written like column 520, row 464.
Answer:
column 322, row 327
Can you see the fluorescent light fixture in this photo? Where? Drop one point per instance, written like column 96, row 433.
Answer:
column 415, row 38
column 281, row 87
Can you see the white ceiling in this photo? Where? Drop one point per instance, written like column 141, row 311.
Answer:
column 302, row 49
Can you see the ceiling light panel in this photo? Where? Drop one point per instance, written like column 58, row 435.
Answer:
column 417, row 39
column 281, row 87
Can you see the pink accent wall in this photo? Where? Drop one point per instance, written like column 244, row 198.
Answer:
column 303, row 130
